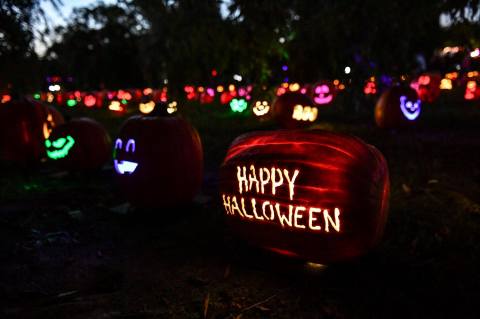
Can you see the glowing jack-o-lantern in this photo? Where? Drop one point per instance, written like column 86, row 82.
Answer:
column 124, row 166
column 397, row 107
column 81, row 144
column 427, row 87
column 238, row 105
column 116, row 106
column 261, row 108
column 158, row 160
column 472, row 92
column 24, row 125
column 146, row 107
column 314, row 195
column 172, row 107
column 370, row 87
column 304, row 113
column 294, row 110
column 446, row 84
column 90, row 100
column 322, row 94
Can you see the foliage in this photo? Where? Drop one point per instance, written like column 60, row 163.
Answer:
column 140, row 42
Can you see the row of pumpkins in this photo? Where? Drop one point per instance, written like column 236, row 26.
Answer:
column 314, row 195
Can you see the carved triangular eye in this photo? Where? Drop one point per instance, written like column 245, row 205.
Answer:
column 130, row 145
column 118, row 144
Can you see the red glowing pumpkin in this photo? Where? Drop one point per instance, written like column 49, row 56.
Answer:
column 314, row 195
column 80, row 144
column 397, row 107
column 428, row 87
column 24, row 125
column 158, row 160
column 294, row 110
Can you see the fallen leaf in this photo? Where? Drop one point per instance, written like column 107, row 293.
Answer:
column 206, row 301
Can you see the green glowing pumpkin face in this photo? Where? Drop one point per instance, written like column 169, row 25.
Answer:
column 80, row 144
column 60, row 147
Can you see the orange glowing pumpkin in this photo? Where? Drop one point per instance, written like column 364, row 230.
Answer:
column 314, row 195
column 294, row 110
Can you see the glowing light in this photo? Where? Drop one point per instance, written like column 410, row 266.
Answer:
column 475, row 53
column 315, row 266
column 470, row 90
column 115, row 106
column 472, row 74
column 147, row 107
column 214, row 72
column 47, row 126
column 125, row 167
column 322, row 94
column 54, row 88
column 124, row 95
column 238, row 105
column 281, row 40
column 237, row 77
column 341, row 87
column 452, row 75
column 336, row 82
column 284, row 68
column 89, row 100
column 424, row 80
column 210, row 92
column 201, row 89
column 261, row 108
column 280, row 91
column 172, row 107
column 450, row 50
column 294, row 87
column 285, row 85
column 446, row 84
column 6, row 98
column 292, row 216
column 62, row 146
column 370, row 88
column 411, row 110
column 71, row 102
column 231, row 87
column 220, row 89
column 147, row 91
column 37, row 96
column 347, row 70
column 304, row 113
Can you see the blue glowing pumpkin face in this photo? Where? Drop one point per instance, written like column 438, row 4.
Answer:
column 123, row 166
column 410, row 109
column 397, row 107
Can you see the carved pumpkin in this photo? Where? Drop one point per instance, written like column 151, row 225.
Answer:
column 158, row 160
column 427, row 87
column 81, row 144
column 24, row 125
column 323, row 93
column 397, row 107
column 294, row 110
column 314, row 195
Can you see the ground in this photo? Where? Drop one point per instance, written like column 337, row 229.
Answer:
column 72, row 247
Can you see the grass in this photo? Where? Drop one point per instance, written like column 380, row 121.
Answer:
column 69, row 247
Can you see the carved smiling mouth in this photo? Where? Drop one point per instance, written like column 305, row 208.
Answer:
column 323, row 100
column 125, row 167
column 411, row 110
